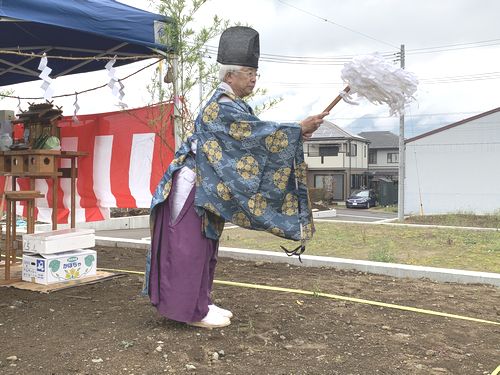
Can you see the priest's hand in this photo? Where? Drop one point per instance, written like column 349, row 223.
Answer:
column 310, row 124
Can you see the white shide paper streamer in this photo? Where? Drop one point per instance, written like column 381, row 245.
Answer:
column 380, row 82
column 77, row 108
column 48, row 91
column 114, row 84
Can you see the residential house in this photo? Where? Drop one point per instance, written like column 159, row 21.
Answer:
column 383, row 165
column 455, row 168
column 337, row 158
column 383, row 154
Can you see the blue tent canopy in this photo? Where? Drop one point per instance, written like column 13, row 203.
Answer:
column 73, row 28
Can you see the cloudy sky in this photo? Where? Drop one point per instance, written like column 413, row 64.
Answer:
column 453, row 47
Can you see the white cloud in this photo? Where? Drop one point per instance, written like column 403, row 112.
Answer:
column 313, row 30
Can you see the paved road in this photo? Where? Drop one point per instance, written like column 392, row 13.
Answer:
column 362, row 215
column 133, row 234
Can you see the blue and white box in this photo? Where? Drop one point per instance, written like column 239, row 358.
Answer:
column 56, row 268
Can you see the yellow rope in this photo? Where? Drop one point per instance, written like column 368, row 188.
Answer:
column 333, row 296
column 121, row 271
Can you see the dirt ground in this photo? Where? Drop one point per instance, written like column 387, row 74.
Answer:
column 107, row 328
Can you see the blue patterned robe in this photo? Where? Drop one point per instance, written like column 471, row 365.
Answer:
column 249, row 172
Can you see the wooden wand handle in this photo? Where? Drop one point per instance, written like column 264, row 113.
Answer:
column 337, row 99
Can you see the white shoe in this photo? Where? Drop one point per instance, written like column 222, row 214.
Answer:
column 212, row 320
column 221, row 311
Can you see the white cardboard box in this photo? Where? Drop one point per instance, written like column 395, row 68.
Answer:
column 56, row 268
column 58, row 241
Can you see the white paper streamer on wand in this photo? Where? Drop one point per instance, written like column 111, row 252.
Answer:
column 77, row 108
column 372, row 77
column 44, row 75
column 346, row 98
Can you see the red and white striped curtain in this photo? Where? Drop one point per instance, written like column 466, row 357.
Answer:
column 128, row 152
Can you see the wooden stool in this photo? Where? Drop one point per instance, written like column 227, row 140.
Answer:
column 11, row 197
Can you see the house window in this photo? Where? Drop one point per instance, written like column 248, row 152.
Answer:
column 357, row 181
column 354, row 150
column 392, row 157
column 312, row 150
column 372, row 157
column 322, row 150
column 319, row 180
column 328, row 150
column 364, row 151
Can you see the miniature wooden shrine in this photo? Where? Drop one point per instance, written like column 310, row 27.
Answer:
column 40, row 122
column 28, row 159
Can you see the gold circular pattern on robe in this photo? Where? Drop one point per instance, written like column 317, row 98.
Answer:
column 257, row 204
column 301, row 173
column 211, row 112
column 179, row 160
column 247, row 167
column 240, row 130
column 277, row 232
column 277, row 141
column 210, row 207
column 239, row 218
column 223, row 191
column 308, row 231
column 198, row 179
column 281, row 177
column 213, row 151
column 231, row 95
column 290, row 205
column 166, row 189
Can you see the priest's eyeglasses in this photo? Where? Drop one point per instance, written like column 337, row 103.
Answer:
column 249, row 74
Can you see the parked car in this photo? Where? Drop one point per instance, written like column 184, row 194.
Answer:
column 361, row 198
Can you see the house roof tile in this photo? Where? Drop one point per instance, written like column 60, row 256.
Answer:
column 381, row 139
column 328, row 130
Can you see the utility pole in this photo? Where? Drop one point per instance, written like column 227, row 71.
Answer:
column 401, row 173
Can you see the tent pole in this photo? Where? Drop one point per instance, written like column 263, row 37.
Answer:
column 177, row 103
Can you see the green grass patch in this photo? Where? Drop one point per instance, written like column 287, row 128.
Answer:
column 436, row 247
column 381, row 255
column 393, row 208
column 458, row 220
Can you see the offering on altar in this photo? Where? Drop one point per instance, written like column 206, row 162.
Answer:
column 35, row 126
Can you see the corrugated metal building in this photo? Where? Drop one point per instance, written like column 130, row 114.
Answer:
column 455, row 168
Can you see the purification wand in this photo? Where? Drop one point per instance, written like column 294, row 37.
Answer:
column 378, row 81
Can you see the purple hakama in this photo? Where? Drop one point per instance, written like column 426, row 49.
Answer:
column 183, row 263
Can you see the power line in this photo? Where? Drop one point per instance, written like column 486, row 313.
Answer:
column 454, row 144
column 336, row 24
column 408, row 115
column 342, row 59
column 459, row 46
column 328, row 60
column 430, row 80
column 462, row 78
column 310, row 60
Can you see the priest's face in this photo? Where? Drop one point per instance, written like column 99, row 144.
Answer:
column 243, row 81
